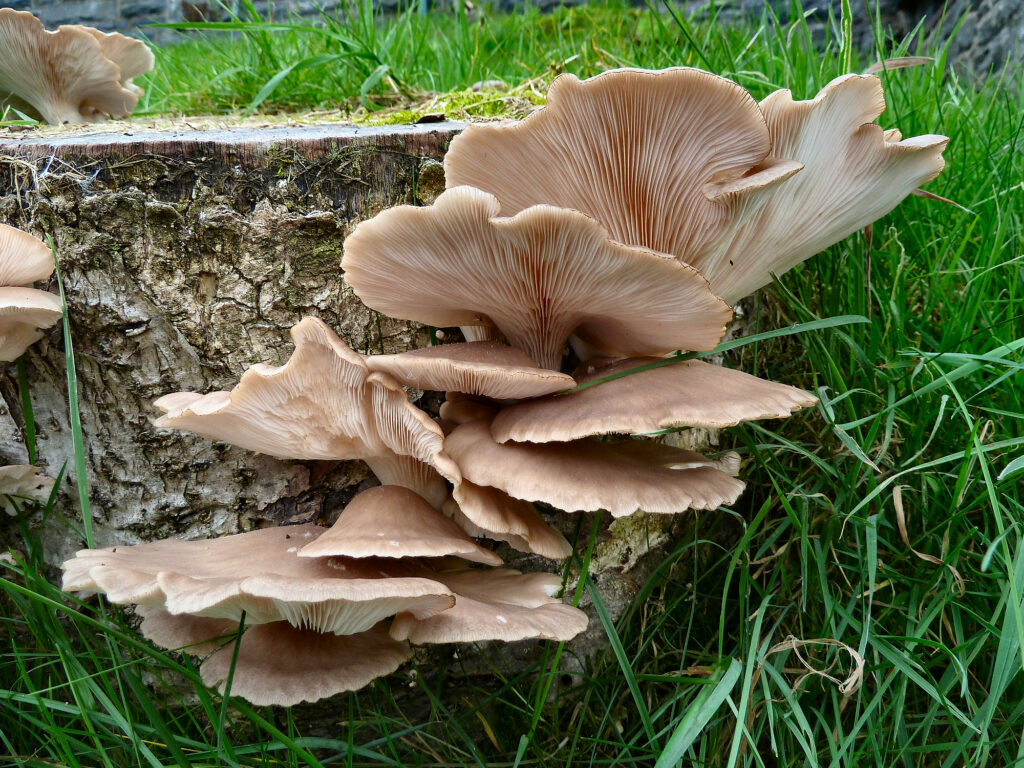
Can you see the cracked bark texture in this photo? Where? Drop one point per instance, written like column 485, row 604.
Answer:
column 186, row 257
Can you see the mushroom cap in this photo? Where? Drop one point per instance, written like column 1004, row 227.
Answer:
column 63, row 74
column 853, row 173
column 23, row 482
column 540, row 276
column 324, row 403
column 22, row 312
column 259, row 573
column 684, row 162
column 483, row 511
column 484, row 368
column 190, row 634
column 133, row 57
column 689, row 393
column 278, row 664
column 391, row 521
column 496, row 604
column 631, row 148
column 588, row 475
column 24, row 259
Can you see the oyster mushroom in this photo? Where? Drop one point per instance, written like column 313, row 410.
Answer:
column 324, row 403
column 689, row 393
column 64, row 76
column 539, row 277
column 588, row 475
column 685, row 162
column 24, row 260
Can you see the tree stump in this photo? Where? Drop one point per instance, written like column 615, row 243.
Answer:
column 185, row 258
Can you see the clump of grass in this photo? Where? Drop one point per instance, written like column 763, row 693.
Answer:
column 888, row 521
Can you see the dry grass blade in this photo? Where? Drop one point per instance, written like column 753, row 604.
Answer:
column 901, row 523
column 847, row 686
column 898, row 62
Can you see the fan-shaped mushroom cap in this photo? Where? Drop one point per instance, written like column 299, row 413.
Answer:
column 281, row 665
column 678, row 161
column 324, row 403
column 539, row 277
column 689, row 393
column 482, row 511
column 391, row 521
column 854, row 173
column 191, row 634
column 633, row 149
column 133, row 57
column 24, row 259
column 259, row 573
column 587, row 475
column 23, row 482
column 484, row 368
column 22, row 312
column 63, row 74
column 496, row 604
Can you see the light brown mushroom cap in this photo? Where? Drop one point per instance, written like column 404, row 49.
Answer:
column 281, row 665
column 23, row 482
column 631, row 148
column 191, row 634
column 539, row 277
column 63, row 75
column 133, row 57
column 23, row 311
column 484, row 368
column 462, row 411
column 588, row 475
column 854, row 173
column 259, row 573
column 689, row 393
column 496, row 604
column 24, row 259
column 391, row 521
column 482, row 511
column 324, row 403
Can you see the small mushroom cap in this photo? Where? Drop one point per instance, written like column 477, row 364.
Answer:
column 191, row 634
column 133, row 57
column 853, row 173
column 324, row 403
column 588, row 475
column 391, row 521
column 281, row 665
column 22, row 312
column 496, row 604
column 484, row 368
column 462, row 411
column 634, row 149
column 483, row 511
column 259, row 573
column 690, row 393
column 23, row 482
column 539, row 277
column 24, row 259
column 63, row 75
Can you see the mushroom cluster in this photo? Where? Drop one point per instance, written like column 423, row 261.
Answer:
column 622, row 221
column 340, row 604
column 74, row 75
column 24, row 311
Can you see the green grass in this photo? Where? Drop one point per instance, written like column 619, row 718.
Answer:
column 924, row 404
